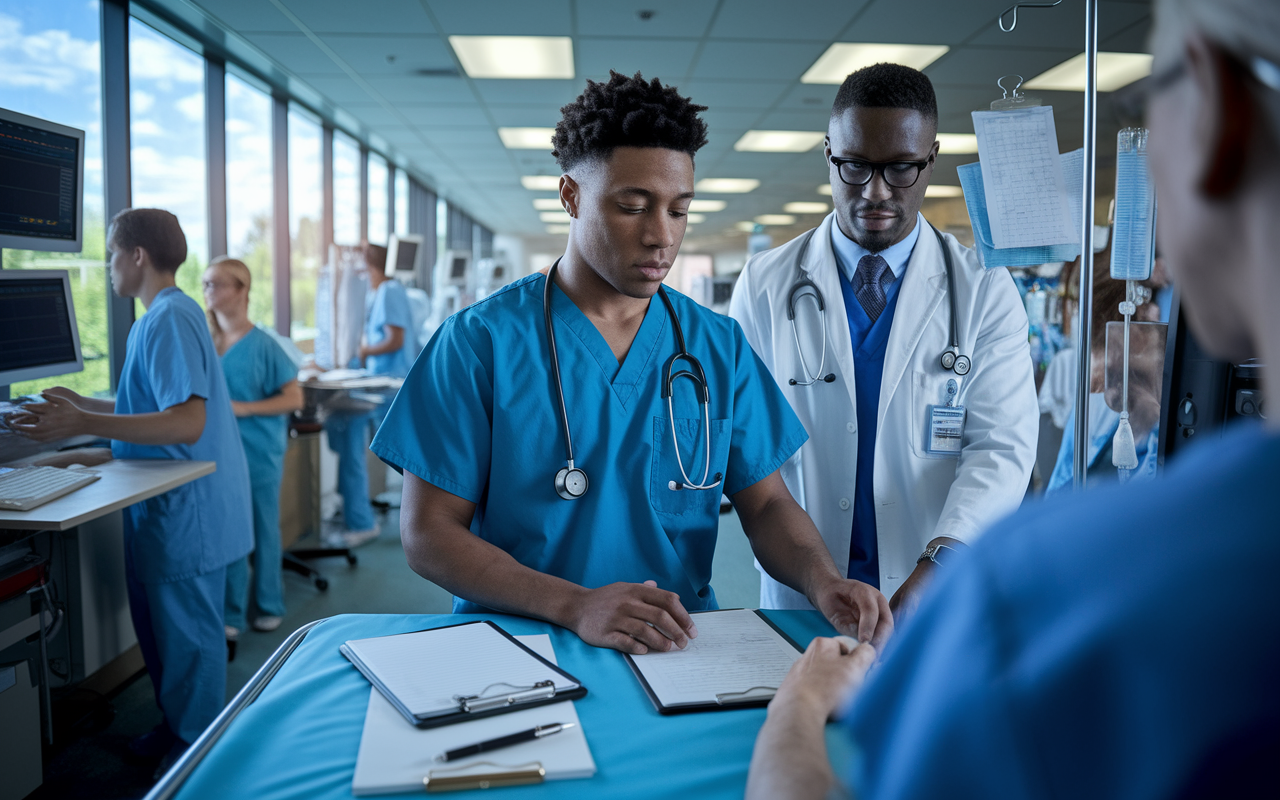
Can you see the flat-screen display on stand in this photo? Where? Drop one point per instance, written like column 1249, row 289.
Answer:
column 42, row 200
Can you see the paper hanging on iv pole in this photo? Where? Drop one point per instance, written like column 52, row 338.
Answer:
column 1026, row 190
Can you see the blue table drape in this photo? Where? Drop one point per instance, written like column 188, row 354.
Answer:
column 299, row 738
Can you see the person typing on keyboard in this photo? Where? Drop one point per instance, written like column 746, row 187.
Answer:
column 172, row 403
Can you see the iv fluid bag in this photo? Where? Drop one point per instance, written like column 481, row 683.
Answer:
column 1133, row 245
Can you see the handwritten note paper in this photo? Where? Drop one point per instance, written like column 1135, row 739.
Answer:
column 1026, row 192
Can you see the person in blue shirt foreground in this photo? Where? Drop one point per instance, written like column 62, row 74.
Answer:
column 478, row 425
column 263, row 384
column 1120, row 644
column 172, row 403
column 386, row 348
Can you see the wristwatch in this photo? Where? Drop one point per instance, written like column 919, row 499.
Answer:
column 939, row 554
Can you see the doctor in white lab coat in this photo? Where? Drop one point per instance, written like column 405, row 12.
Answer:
column 885, row 121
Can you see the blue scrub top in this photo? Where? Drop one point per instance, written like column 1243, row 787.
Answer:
column 208, row 523
column 389, row 305
column 257, row 368
column 1102, row 645
column 478, row 418
column 869, row 340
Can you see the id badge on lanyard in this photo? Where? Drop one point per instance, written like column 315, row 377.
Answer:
column 946, row 425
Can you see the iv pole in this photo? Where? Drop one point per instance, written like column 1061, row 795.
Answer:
column 1084, row 321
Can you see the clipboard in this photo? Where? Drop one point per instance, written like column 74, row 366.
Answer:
column 735, row 697
column 498, row 697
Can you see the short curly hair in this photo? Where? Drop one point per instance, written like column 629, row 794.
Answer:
column 887, row 86
column 153, row 229
column 626, row 112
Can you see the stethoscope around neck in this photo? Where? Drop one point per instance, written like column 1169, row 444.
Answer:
column 951, row 360
column 571, row 480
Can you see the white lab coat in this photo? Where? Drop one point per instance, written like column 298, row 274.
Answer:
column 917, row 496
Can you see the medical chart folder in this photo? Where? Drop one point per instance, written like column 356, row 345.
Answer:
column 461, row 672
column 738, row 661
column 396, row 758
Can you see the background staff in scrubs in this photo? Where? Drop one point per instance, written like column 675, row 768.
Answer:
column 387, row 348
column 887, row 505
column 1058, row 659
column 263, row 385
column 477, row 425
column 172, row 404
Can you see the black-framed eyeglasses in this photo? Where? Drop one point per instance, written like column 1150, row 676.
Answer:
column 898, row 174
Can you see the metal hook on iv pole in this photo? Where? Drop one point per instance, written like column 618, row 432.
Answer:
column 1014, row 9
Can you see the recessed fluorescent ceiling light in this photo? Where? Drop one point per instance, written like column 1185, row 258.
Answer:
column 554, row 216
column 941, row 190
column 843, row 58
column 779, row 141
column 548, row 204
column 746, row 226
column 557, row 229
column 541, row 183
column 526, row 138
column 825, row 189
column 515, row 56
column 776, row 219
column 1114, row 71
column 957, row 143
column 805, row 208
column 726, row 185
column 694, row 219
column 706, row 205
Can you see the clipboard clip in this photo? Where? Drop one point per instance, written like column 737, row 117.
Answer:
column 458, row 778
column 1013, row 99
column 745, row 696
column 542, row 690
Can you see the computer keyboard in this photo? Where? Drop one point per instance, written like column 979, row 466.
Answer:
column 29, row 487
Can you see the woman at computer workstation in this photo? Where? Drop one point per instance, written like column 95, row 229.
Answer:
column 172, row 403
column 263, row 384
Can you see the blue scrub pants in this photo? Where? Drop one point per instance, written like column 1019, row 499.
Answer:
column 347, row 433
column 179, row 627
column 268, row 584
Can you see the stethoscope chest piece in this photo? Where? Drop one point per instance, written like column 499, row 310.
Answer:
column 571, row 483
column 957, row 363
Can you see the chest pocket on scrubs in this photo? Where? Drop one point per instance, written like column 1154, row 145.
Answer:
column 930, row 389
column 665, row 468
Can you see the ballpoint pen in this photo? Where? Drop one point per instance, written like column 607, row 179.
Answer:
column 504, row 741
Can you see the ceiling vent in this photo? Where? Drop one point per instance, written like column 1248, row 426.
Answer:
column 437, row 72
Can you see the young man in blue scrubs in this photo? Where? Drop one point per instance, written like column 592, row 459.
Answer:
column 479, row 430
column 172, row 403
column 388, row 348
column 1121, row 643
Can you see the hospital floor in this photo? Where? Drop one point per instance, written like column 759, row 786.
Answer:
column 90, row 757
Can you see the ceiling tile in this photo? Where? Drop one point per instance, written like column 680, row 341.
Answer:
column 1062, row 26
column 930, row 21
column 985, row 65
column 342, row 16
column 418, row 89
column 769, row 19
column 373, row 115
column 671, row 18
column 428, row 116
column 457, row 138
column 668, row 60
column 368, row 54
column 503, row 17
column 524, row 116
column 339, row 89
column 743, row 95
column 554, row 93
column 756, row 60
column 244, row 16
column 1133, row 39
column 296, row 53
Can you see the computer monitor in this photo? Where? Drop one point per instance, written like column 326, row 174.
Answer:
column 454, row 269
column 37, row 325
column 41, row 204
column 402, row 256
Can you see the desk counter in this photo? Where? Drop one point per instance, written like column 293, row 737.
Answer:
column 299, row 737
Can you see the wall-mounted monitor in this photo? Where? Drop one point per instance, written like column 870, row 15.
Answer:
column 37, row 325
column 402, row 256
column 42, row 200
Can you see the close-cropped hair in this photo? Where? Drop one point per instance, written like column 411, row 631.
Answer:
column 626, row 112
column 375, row 258
column 153, row 229
column 887, row 86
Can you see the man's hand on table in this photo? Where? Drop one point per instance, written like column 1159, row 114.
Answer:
column 855, row 609
column 634, row 618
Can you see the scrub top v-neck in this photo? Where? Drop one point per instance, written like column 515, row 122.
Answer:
column 477, row 418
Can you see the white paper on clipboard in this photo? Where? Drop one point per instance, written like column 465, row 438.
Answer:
column 1026, row 191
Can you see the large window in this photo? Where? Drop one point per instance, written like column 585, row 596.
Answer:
column 249, row 190
column 50, row 69
column 402, row 202
column 346, row 190
column 378, row 180
column 166, row 107
column 306, row 209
